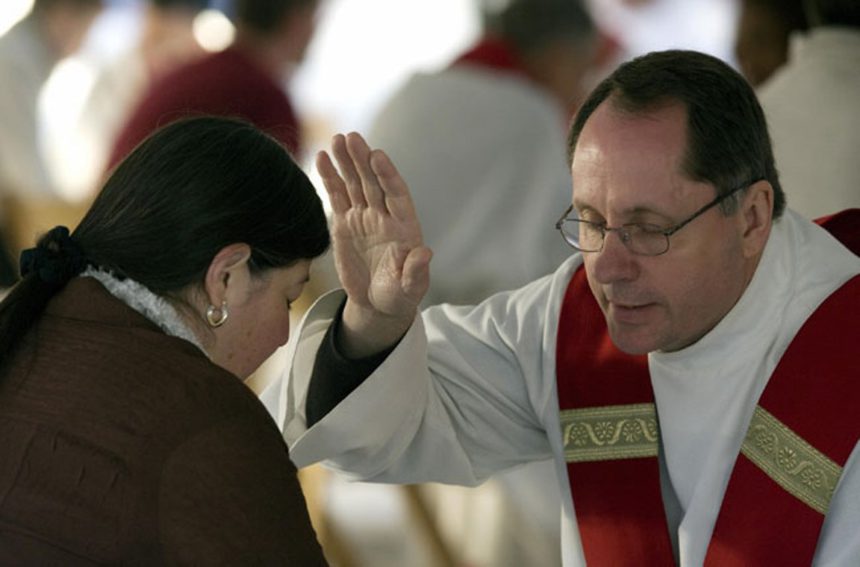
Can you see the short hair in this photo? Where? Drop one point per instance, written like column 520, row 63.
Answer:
column 791, row 14
column 834, row 12
column 728, row 144
column 265, row 16
column 530, row 24
column 186, row 4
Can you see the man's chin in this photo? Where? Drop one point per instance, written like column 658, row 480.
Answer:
column 634, row 330
column 634, row 341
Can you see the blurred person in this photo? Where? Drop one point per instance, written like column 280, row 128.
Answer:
column 127, row 434
column 166, row 41
column 812, row 107
column 246, row 80
column 762, row 36
column 691, row 368
column 481, row 143
column 54, row 29
column 642, row 26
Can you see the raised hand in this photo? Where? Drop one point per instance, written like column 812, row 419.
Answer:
column 380, row 257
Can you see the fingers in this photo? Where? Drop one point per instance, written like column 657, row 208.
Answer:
column 348, row 170
column 360, row 153
column 398, row 201
column 334, row 184
column 367, row 178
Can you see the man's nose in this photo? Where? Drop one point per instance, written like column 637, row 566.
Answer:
column 615, row 262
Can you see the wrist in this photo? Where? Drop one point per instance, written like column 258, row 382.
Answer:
column 365, row 331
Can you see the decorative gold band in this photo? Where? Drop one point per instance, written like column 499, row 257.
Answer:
column 609, row 433
column 631, row 431
column 791, row 462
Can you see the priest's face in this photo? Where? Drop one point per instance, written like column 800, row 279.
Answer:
column 627, row 169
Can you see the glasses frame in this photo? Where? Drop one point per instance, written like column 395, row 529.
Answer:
column 624, row 232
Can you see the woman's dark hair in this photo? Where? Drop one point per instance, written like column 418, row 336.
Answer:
column 728, row 144
column 190, row 189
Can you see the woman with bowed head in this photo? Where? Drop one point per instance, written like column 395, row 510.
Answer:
column 126, row 433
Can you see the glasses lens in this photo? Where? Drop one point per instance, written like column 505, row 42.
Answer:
column 643, row 239
column 569, row 232
column 582, row 235
column 647, row 240
column 590, row 236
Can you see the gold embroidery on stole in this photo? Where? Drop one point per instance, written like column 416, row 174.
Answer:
column 791, row 462
column 609, row 433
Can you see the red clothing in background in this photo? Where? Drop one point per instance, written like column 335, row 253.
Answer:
column 227, row 83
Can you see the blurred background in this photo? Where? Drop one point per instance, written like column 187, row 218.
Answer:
column 361, row 53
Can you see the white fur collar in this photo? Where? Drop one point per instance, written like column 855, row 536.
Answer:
column 151, row 306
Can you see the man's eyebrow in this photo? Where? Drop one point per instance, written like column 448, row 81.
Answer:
column 638, row 211
column 579, row 207
column 642, row 211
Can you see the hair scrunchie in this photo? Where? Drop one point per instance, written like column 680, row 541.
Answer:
column 57, row 257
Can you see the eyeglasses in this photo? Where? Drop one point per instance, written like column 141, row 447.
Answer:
column 640, row 238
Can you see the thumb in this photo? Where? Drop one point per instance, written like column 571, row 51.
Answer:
column 416, row 272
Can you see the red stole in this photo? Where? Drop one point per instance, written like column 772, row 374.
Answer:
column 799, row 438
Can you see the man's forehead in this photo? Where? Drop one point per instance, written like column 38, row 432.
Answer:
column 614, row 141
column 631, row 164
column 663, row 126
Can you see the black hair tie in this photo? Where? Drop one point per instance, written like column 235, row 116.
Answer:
column 57, row 257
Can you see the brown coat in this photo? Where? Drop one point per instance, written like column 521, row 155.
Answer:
column 120, row 444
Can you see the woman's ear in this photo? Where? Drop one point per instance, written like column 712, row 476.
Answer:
column 757, row 217
column 228, row 277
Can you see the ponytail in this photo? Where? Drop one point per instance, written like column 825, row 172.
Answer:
column 45, row 270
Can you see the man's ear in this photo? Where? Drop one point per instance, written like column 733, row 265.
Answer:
column 228, row 276
column 756, row 217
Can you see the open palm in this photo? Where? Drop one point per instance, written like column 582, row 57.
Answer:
column 379, row 253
